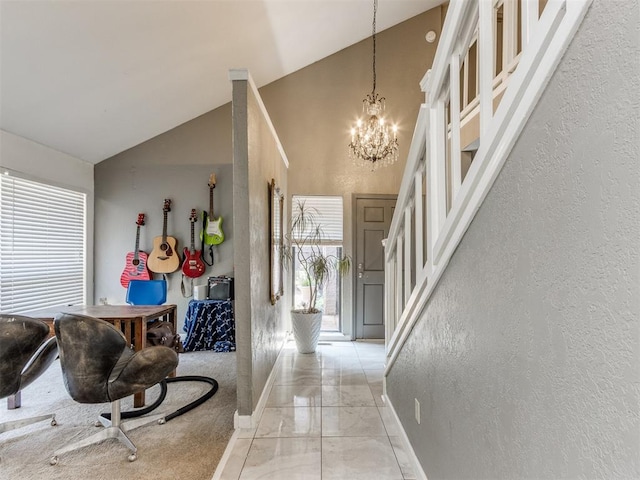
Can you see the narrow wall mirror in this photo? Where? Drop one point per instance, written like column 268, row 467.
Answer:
column 276, row 206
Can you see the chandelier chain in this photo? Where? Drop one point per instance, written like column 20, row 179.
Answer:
column 375, row 11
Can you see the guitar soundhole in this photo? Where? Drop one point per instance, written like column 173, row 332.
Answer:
column 135, row 262
column 164, row 247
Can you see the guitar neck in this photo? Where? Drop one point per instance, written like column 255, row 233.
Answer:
column 193, row 245
column 135, row 250
column 164, row 228
column 211, row 187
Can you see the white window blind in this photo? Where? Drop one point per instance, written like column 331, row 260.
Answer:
column 327, row 211
column 42, row 245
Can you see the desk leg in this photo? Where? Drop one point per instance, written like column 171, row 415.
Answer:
column 171, row 318
column 139, row 343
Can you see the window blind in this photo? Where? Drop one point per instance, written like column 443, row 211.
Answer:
column 42, row 245
column 327, row 211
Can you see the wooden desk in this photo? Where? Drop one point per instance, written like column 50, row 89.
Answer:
column 131, row 320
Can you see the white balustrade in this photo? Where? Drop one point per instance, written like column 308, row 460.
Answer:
column 493, row 61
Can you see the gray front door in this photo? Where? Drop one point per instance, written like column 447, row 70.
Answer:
column 373, row 219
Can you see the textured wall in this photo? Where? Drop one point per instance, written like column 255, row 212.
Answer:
column 174, row 165
column 260, row 326
column 526, row 360
column 314, row 109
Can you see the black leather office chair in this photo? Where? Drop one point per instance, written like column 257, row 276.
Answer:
column 25, row 352
column 98, row 366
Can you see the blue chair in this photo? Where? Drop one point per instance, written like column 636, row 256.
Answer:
column 147, row 292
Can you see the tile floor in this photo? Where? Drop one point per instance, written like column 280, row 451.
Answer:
column 324, row 419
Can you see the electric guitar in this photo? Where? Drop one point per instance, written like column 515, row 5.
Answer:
column 164, row 257
column 193, row 266
column 136, row 262
column 212, row 233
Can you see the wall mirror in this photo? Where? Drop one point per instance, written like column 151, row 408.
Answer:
column 276, row 206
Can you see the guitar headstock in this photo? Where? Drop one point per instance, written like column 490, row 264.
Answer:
column 167, row 205
column 212, row 180
column 193, row 217
column 140, row 221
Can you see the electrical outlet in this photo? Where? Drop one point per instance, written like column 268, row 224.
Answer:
column 417, row 411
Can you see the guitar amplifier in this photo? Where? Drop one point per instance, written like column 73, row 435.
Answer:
column 220, row 288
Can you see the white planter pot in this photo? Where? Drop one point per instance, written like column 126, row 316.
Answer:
column 306, row 330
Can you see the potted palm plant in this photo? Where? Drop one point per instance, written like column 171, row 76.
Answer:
column 316, row 267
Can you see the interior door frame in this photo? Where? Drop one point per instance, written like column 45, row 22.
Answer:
column 354, row 244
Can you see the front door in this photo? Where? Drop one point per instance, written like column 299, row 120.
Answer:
column 373, row 219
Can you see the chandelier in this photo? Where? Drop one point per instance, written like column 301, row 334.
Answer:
column 372, row 145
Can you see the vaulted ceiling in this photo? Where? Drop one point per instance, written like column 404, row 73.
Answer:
column 92, row 78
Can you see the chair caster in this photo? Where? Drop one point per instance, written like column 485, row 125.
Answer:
column 53, row 461
column 162, row 421
column 133, row 457
column 54, row 423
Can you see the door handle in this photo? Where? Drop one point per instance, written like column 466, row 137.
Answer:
column 360, row 266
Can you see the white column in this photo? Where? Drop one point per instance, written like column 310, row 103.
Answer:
column 454, row 105
column 399, row 277
column 486, row 64
column 437, row 177
column 529, row 19
column 408, row 287
column 419, row 216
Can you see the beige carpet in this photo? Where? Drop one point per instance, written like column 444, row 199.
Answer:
column 187, row 447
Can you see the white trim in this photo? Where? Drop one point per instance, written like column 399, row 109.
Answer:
column 251, row 421
column 222, row 464
column 407, row 253
column 416, row 154
column 529, row 16
column 418, row 203
column 406, row 444
column 241, row 74
column 527, row 84
column 454, row 113
column 486, row 64
column 553, row 33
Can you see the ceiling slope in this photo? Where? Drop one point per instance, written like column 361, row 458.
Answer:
column 94, row 78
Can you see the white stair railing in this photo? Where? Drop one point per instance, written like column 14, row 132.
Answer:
column 493, row 62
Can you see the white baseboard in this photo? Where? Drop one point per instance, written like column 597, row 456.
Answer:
column 225, row 456
column 251, row 421
column 417, row 468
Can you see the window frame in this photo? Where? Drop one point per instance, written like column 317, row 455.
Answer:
column 81, row 210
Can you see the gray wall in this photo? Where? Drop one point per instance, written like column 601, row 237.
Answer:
column 174, row 165
column 526, row 360
column 314, row 109
column 40, row 163
column 260, row 326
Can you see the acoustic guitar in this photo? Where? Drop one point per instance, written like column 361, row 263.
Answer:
column 193, row 266
column 135, row 267
column 212, row 233
column 164, row 257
